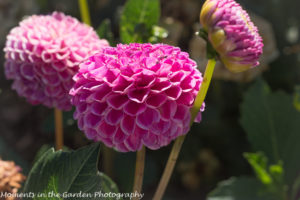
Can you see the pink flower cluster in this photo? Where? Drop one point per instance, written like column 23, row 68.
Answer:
column 232, row 34
column 43, row 53
column 134, row 95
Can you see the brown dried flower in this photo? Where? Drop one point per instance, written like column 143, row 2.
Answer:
column 11, row 178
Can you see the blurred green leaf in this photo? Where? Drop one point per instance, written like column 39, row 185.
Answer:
column 259, row 164
column 158, row 33
column 269, row 175
column 104, row 31
column 297, row 97
column 242, row 188
column 61, row 172
column 137, row 20
column 272, row 124
column 44, row 149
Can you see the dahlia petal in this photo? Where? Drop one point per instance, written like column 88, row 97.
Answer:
column 144, row 79
column 113, row 117
column 173, row 92
column 48, row 69
column 186, row 98
column 156, row 100
column 92, row 120
column 138, row 95
column 132, row 108
column 98, row 108
column 110, row 76
column 27, row 71
column 117, row 101
column 127, row 124
column 121, row 85
column 167, row 110
column 133, row 142
column 147, row 118
column 161, row 85
column 82, row 108
column 151, row 141
column 101, row 92
column 106, row 130
column 160, row 127
column 188, row 84
column 198, row 117
column 119, row 137
column 181, row 112
column 80, row 123
column 121, row 147
column 91, row 133
column 177, row 76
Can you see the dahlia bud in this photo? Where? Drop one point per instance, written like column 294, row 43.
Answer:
column 11, row 178
column 232, row 34
column 136, row 94
column 43, row 53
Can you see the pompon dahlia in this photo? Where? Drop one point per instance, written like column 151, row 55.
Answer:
column 43, row 53
column 232, row 34
column 136, row 94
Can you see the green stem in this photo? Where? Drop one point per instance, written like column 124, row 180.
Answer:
column 139, row 171
column 84, row 11
column 179, row 141
column 59, row 129
column 203, row 90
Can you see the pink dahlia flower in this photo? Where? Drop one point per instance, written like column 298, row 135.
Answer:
column 232, row 34
column 43, row 53
column 134, row 95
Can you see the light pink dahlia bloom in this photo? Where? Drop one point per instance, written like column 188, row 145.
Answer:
column 43, row 53
column 232, row 34
column 134, row 95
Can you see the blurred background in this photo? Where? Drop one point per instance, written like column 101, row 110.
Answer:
column 213, row 150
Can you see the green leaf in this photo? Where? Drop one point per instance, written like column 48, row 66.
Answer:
column 242, row 188
column 158, row 33
column 297, row 97
column 272, row 125
column 269, row 175
column 259, row 164
column 61, row 173
column 137, row 20
column 44, row 148
column 104, row 31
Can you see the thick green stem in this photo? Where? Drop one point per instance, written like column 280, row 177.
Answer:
column 179, row 141
column 84, row 11
column 139, row 171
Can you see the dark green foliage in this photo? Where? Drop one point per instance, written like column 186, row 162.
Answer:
column 243, row 188
column 272, row 125
column 137, row 20
column 61, row 172
column 104, row 31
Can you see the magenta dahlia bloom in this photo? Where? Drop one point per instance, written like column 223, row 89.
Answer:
column 134, row 95
column 43, row 53
column 232, row 34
